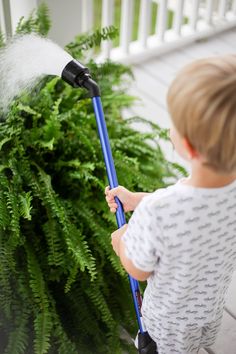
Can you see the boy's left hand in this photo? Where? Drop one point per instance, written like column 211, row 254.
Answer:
column 116, row 237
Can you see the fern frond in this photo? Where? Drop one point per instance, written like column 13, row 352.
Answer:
column 43, row 19
column 76, row 244
column 64, row 344
column 42, row 327
column 42, row 321
column 97, row 298
column 12, row 205
column 71, row 279
column 87, row 41
column 55, row 246
column 2, row 39
column 100, row 234
column 19, row 336
column 25, row 205
column 4, row 213
column 5, row 281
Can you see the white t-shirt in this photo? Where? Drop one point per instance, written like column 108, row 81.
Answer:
column 186, row 236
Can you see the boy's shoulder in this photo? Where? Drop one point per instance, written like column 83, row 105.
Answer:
column 166, row 197
column 184, row 206
column 180, row 194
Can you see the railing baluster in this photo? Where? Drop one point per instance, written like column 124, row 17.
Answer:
column 209, row 11
column 178, row 17
column 107, row 20
column 144, row 21
column 161, row 19
column 194, row 15
column 127, row 11
column 87, row 15
column 2, row 19
column 222, row 8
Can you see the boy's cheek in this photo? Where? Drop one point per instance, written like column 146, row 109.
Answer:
column 177, row 143
column 174, row 138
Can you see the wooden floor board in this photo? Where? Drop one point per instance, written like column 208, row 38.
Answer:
column 226, row 340
column 229, row 37
column 160, row 70
column 150, row 86
column 231, row 298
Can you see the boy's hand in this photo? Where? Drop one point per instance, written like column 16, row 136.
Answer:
column 116, row 237
column 127, row 198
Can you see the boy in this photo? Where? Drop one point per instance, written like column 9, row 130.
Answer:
column 182, row 239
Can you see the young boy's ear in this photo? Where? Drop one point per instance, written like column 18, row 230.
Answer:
column 191, row 152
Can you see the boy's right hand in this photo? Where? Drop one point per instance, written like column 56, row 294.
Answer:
column 127, row 198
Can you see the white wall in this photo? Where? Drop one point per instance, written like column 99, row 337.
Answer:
column 66, row 19
column 65, row 16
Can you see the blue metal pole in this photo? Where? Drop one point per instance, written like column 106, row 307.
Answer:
column 112, row 178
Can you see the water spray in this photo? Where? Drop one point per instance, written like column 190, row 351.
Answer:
column 77, row 75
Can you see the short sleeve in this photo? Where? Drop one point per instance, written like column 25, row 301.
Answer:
column 143, row 239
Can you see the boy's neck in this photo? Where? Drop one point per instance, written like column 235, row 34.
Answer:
column 204, row 177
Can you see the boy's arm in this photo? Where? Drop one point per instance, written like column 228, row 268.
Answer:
column 119, row 248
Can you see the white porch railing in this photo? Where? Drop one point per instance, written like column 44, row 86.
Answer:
column 192, row 20
column 177, row 22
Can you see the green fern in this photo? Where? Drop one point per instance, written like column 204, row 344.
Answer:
column 62, row 288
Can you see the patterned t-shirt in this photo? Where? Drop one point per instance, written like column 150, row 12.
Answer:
column 186, row 236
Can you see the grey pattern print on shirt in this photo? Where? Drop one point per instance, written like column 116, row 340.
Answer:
column 186, row 237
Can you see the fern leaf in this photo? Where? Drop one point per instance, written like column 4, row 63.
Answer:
column 4, row 213
column 71, row 279
column 42, row 321
column 25, row 205
column 43, row 327
column 43, row 19
column 64, row 343
column 76, row 244
column 19, row 336
column 97, row 298
column 56, row 252
column 85, row 41
column 5, row 281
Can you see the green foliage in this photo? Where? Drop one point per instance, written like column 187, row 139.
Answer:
column 38, row 22
column 88, row 41
column 62, row 289
column 1, row 39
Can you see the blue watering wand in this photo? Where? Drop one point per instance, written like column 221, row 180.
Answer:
column 77, row 75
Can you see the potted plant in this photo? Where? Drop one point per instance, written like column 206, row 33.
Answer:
column 62, row 289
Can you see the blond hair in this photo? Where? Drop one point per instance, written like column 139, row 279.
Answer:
column 202, row 104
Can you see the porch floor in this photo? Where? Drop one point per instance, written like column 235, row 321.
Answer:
column 152, row 79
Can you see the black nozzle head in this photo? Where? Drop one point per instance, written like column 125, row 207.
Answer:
column 78, row 75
